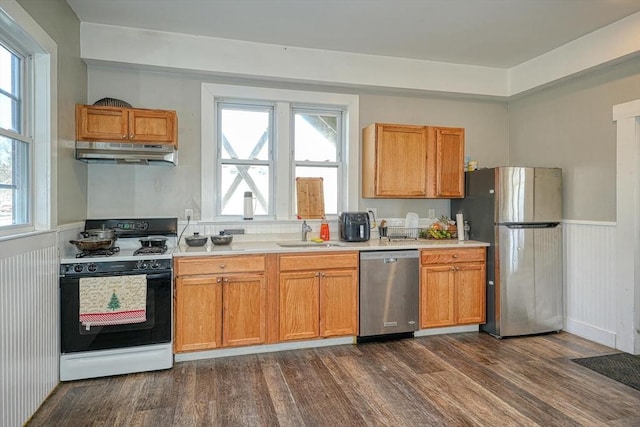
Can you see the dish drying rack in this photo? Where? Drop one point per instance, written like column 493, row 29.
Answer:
column 399, row 232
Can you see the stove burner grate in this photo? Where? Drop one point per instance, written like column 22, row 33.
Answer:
column 98, row 252
column 150, row 250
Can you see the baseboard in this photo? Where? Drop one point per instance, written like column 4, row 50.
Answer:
column 268, row 348
column 448, row 330
column 591, row 333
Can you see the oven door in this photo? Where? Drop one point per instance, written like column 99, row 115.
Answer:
column 156, row 329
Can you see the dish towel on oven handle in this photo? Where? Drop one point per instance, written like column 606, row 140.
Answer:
column 115, row 300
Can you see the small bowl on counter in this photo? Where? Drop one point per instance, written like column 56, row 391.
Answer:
column 222, row 239
column 196, row 240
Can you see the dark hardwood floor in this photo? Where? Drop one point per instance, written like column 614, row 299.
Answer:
column 448, row 380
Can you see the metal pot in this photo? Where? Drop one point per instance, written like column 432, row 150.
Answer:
column 92, row 243
column 102, row 233
column 222, row 239
column 148, row 242
column 196, row 240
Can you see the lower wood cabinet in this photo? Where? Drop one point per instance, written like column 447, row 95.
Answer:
column 452, row 287
column 220, row 302
column 244, row 301
column 198, row 313
column 318, row 295
column 240, row 300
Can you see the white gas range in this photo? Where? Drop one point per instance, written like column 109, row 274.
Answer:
column 116, row 300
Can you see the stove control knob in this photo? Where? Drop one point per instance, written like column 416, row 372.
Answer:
column 155, row 264
column 92, row 268
column 78, row 268
column 142, row 265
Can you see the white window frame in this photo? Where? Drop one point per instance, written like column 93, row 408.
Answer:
column 339, row 163
column 281, row 98
column 17, row 27
column 23, row 133
column 269, row 163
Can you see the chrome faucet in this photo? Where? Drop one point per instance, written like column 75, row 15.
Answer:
column 305, row 229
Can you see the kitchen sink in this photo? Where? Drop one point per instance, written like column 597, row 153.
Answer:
column 308, row 245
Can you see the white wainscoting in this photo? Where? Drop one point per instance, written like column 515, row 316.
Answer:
column 590, row 280
column 29, row 349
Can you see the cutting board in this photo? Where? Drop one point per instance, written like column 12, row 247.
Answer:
column 310, row 197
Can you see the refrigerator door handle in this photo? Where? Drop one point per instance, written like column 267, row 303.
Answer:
column 520, row 225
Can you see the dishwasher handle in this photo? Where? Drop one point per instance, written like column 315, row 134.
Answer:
column 388, row 255
column 390, row 260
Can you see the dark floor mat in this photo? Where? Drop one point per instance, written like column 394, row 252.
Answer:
column 622, row 367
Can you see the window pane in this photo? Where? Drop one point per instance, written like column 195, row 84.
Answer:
column 236, row 179
column 316, row 137
column 330, row 185
column 245, row 133
column 14, row 181
column 9, row 90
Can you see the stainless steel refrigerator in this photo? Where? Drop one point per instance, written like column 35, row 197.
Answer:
column 518, row 211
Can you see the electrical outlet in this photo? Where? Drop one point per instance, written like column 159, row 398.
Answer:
column 432, row 213
column 188, row 214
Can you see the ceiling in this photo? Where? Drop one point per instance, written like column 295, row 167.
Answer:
column 493, row 33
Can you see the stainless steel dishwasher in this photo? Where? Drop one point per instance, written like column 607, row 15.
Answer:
column 389, row 289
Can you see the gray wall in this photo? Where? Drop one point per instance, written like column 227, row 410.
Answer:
column 570, row 125
column 63, row 26
column 567, row 125
column 128, row 190
column 142, row 191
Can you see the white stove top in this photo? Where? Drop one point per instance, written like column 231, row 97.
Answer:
column 126, row 253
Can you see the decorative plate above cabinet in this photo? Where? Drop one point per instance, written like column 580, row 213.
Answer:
column 412, row 162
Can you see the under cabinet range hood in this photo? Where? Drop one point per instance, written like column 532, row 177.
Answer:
column 126, row 153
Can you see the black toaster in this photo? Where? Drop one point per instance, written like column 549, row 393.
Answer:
column 354, row 226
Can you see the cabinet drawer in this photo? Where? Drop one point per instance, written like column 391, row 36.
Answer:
column 316, row 261
column 220, row 264
column 448, row 256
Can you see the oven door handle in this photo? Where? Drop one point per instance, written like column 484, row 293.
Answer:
column 159, row 276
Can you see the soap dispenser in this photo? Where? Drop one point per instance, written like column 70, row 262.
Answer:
column 324, row 229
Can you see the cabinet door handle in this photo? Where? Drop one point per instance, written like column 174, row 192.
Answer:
column 455, row 255
column 218, row 280
column 222, row 265
column 131, row 136
column 322, row 274
column 124, row 136
column 317, row 274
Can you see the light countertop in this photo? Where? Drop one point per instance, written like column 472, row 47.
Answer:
column 249, row 247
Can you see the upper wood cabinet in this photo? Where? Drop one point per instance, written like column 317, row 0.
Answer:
column 394, row 161
column 445, row 162
column 407, row 161
column 115, row 124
